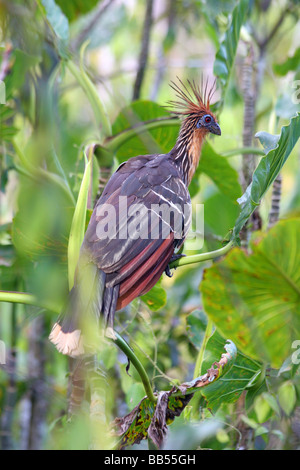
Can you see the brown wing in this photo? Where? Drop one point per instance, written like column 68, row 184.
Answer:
column 143, row 241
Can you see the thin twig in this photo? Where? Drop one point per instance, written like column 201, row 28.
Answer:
column 161, row 62
column 143, row 59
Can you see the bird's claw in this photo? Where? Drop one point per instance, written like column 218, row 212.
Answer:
column 174, row 258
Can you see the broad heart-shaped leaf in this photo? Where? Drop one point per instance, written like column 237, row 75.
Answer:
column 255, row 300
column 267, row 170
column 226, row 54
column 229, row 388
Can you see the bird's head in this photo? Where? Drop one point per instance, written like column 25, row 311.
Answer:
column 193, row 106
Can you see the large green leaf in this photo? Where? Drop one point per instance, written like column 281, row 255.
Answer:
column 226, row 54
column 76, row 8
column 21, row 64
column 229, row 388
column 267, row 169
column 291, row 63
column 255, row 299
column 243, row 371
column 220, row 172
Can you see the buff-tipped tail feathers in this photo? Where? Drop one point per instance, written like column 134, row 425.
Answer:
column 69, row 343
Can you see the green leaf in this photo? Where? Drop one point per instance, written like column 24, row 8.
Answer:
column 226, row 54
column 220, row 172
column 255, row 300
column 262, row 409
column 156, row 298
column 216, row 221
column 78, row 223
column 22, row 63
column 7, row 133
column 290, row 64
column 76, row 8
column 268, row 141
column 267, row 170
column 287, row 397
column 287, row 106
column 196, row 327
column 229, row 388
column 135, row 394
column 57, row 19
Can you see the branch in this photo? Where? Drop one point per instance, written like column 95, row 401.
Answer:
column 114, row 143
column 263, row 43
column 27, row 299
column 143, row 59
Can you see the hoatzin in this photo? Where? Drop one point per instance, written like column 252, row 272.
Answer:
column 114, row 270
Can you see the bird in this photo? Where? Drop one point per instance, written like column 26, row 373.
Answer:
column 130, row 242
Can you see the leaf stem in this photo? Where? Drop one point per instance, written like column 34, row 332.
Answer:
column 199, row 361
column 115, row 142
column 27, row 299
column 243, row 150
column 202, row 256
column 121, row 343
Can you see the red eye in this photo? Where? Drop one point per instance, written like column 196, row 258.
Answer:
column 207, row 119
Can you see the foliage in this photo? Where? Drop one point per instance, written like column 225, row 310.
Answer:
column 65, row 120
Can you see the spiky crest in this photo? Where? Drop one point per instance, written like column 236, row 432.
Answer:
column 193, row 100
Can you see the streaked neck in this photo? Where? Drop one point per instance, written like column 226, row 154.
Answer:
column 187, row 152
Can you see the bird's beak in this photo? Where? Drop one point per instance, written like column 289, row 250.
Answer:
column 214, row 128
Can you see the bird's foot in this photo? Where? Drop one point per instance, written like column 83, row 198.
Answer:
column 174, row 258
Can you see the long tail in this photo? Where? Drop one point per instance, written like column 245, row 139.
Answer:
column 78, row 326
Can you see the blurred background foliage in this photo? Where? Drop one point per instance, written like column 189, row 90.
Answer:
column 82, row 73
